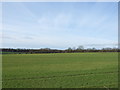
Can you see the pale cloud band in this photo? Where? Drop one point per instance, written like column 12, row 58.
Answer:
column 60, row 0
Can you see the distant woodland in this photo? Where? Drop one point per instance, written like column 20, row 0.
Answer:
column 48, row 50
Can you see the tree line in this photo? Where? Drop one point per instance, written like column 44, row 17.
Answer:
column 48, row 50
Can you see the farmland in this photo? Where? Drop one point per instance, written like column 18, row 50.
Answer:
column 60, row 70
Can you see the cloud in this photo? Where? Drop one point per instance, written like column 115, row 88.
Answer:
column 54, row 41
column 61, row 21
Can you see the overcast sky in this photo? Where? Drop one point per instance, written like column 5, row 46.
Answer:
column 60, row 25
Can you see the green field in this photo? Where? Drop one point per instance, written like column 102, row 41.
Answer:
column 60, row 70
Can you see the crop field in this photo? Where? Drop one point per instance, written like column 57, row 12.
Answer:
column 60, row 70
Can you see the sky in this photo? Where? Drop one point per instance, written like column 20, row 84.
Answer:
column 59, row 25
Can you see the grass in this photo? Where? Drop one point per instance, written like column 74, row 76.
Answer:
column 60, row 70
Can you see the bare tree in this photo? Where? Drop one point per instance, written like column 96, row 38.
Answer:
column 80, row 48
